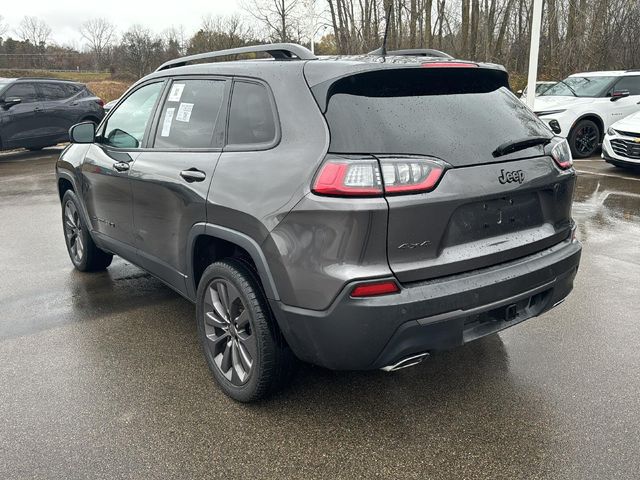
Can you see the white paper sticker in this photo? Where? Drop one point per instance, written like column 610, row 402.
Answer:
column 166, row 124
column 184, row 112
column 176, row 92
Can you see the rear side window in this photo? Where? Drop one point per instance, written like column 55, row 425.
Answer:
column 127, row 124
column 252, row 119
column 629, row 83
column 190, row 115
column 24, row 91
column 53, row 91
column 459, row 115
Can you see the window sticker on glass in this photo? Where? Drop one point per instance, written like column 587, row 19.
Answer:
column 184, row 112
column 176, row 92
column 166, row 124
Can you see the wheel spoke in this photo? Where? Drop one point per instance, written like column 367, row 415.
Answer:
column 213, row 320
column 213, row 299
column 79, row 246
column 237, row 362
column 217, row 340
column 221, row 291
column 226, row 361
column 245, row 357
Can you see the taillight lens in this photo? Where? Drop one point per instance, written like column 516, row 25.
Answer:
column 342, row 177
column 100, row 102
column 345, row 177
column 375, row 289
column 561, row 154
column 410, row 175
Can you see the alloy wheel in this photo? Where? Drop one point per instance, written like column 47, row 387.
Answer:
column 73, row 231
column 586, row 139
column 230, row 338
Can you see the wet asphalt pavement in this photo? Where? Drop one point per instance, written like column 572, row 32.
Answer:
column 101, row 375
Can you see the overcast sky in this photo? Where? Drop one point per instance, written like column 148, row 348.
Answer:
column 65, row 16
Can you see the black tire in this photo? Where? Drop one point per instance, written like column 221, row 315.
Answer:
column 584, row 139
column 226, row 348
column 84, row 254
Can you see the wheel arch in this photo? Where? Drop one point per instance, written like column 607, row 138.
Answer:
column 594, row 117
column 208, row 242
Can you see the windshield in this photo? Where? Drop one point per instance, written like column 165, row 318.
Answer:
column 446, row 113
column 579, row 87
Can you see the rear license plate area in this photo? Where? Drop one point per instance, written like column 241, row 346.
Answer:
column 490, row 218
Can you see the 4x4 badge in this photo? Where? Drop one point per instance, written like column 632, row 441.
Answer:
column 510, row 177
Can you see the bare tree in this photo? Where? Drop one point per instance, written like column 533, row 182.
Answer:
column 99, row 34
column 280, row 18
column 34, row 31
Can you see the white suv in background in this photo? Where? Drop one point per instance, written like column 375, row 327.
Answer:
column 584, row 105
column 621, row 145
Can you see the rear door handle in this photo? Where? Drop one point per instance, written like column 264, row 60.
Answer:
column 121, row 166
column 37, row 109
column 193, row 175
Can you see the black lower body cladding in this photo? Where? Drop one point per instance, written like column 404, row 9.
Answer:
column 371, row 333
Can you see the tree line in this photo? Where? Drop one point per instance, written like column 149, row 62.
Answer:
column 576, row 34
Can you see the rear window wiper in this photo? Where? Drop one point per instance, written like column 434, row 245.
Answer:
column 515, row 145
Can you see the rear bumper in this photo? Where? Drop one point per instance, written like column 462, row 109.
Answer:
column 370, row 333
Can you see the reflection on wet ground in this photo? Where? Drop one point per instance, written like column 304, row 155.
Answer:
column 101, row 375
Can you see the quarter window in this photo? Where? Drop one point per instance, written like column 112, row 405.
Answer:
column 251, row 117
column 127, row 124
column 24, row 91
column 190, row 115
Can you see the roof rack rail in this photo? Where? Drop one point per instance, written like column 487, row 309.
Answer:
column 48, row 79
column 419, row 52
column 279, row 51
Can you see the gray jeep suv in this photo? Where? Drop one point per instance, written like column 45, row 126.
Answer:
column 353, row 212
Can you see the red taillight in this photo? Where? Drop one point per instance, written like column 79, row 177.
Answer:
column 449, row 65
column 561, row 154
column 400, row 175
column 374, row 289
column 100, row 102
column 349, row 178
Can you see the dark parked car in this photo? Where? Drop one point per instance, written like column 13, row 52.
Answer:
column 38, row 112
column 353, row 213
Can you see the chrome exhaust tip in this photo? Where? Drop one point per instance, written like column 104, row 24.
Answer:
column 406, row 362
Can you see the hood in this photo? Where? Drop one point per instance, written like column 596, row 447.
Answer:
column 629, row 124
column 552, row 102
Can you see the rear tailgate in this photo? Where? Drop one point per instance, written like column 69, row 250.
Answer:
column 488, row 208
column 471, row 220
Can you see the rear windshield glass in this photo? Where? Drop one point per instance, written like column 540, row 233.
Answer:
column 458, row 115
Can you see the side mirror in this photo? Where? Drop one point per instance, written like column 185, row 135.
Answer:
column 9, row 102
column 84, row 132
column 618, row 94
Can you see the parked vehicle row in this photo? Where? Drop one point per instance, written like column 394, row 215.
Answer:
column 583, row 106
column 38, row 112
column 329, row 209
